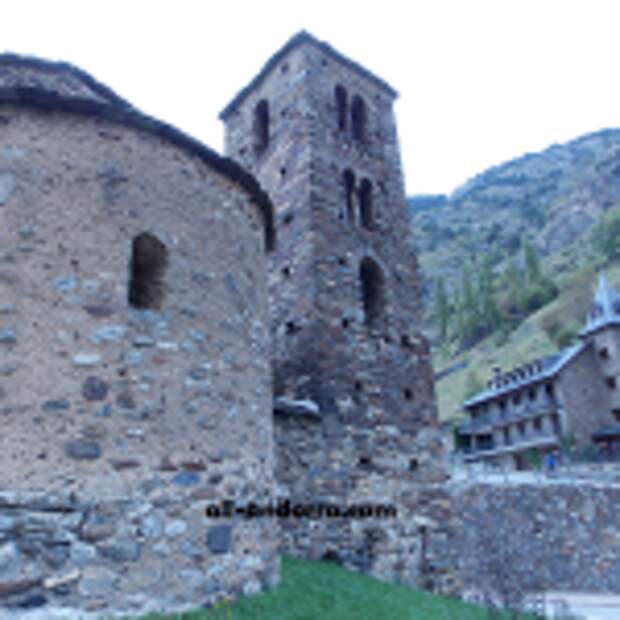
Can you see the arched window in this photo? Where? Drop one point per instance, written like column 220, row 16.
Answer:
column 261, row 126
column 149, row 258
column 358, row 118
column 366, row 215
column 373, row 291
column 349, row 187
column 341, row 106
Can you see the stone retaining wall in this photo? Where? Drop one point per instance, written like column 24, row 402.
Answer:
column 134, row 555
column 318, row 462
column 524, row 537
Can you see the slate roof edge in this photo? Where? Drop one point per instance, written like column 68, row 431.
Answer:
column 596, row 326
column 607, row 432
column 116, row 109
column 566, row 356
column 296, row 40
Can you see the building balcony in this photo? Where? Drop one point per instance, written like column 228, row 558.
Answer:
column 494, row 420
column 521, row 444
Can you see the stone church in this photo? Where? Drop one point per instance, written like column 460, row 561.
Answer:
column 180, row 329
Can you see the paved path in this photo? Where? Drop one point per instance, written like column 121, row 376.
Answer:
column 587, row 606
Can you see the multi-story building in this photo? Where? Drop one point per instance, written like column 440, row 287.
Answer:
column 572, row 395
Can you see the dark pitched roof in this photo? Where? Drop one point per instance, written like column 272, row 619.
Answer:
column 605, row 309
column 50, row 85
column 608, row 433
column 295, row 41
column 535, row 372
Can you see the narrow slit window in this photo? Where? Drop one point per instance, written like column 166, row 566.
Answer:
column 261, row 126
column 349, row 188
column 341, row 107
column 149, row 258
column 373, row 291
column 366, row 215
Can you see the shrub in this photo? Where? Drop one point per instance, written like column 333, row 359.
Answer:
column 473, row 384
column 566, row 335
column 532, row 458
column 605, row 235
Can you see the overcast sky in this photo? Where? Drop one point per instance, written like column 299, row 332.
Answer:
column 480, row 81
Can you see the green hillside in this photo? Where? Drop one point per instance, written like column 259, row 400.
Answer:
column 544, row 332
column 510, row 259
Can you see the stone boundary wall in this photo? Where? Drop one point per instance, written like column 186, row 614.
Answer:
column 318, row 462
column 560, row 536
column 61, row 556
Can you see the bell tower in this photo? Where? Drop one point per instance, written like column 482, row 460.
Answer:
column 319, row 133
column 355, row 412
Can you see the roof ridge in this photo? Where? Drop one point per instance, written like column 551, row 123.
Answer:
column 303, row 36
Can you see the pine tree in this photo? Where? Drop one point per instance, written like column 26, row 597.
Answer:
column 532, row 264
column 469, row 308
column 605, row 235
column 489, row 311
column 459, row 314
column 515, row 285
column 538, row 289
column 473, row 385
column 442, row 307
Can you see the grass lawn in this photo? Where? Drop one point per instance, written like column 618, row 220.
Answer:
column 322, row 591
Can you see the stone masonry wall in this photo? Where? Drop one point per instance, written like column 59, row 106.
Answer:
column 373, row 439
column 320, row 464
column 529, row 537
column 582, row 390
column 122, row 424
column 384, row 363
column 606, row 351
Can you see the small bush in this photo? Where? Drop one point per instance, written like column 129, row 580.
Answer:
column 605, row 235
column 566, row 335
column 532, row 458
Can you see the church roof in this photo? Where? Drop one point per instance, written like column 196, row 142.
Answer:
column 605, row 309
column 526, row 375
column 60, row 86
column 295, row 41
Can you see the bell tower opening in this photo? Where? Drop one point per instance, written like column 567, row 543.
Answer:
column 341, row 106
column 366, row 214
column 349, row 187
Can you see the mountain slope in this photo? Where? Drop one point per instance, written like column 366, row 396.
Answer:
column 551, row 198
